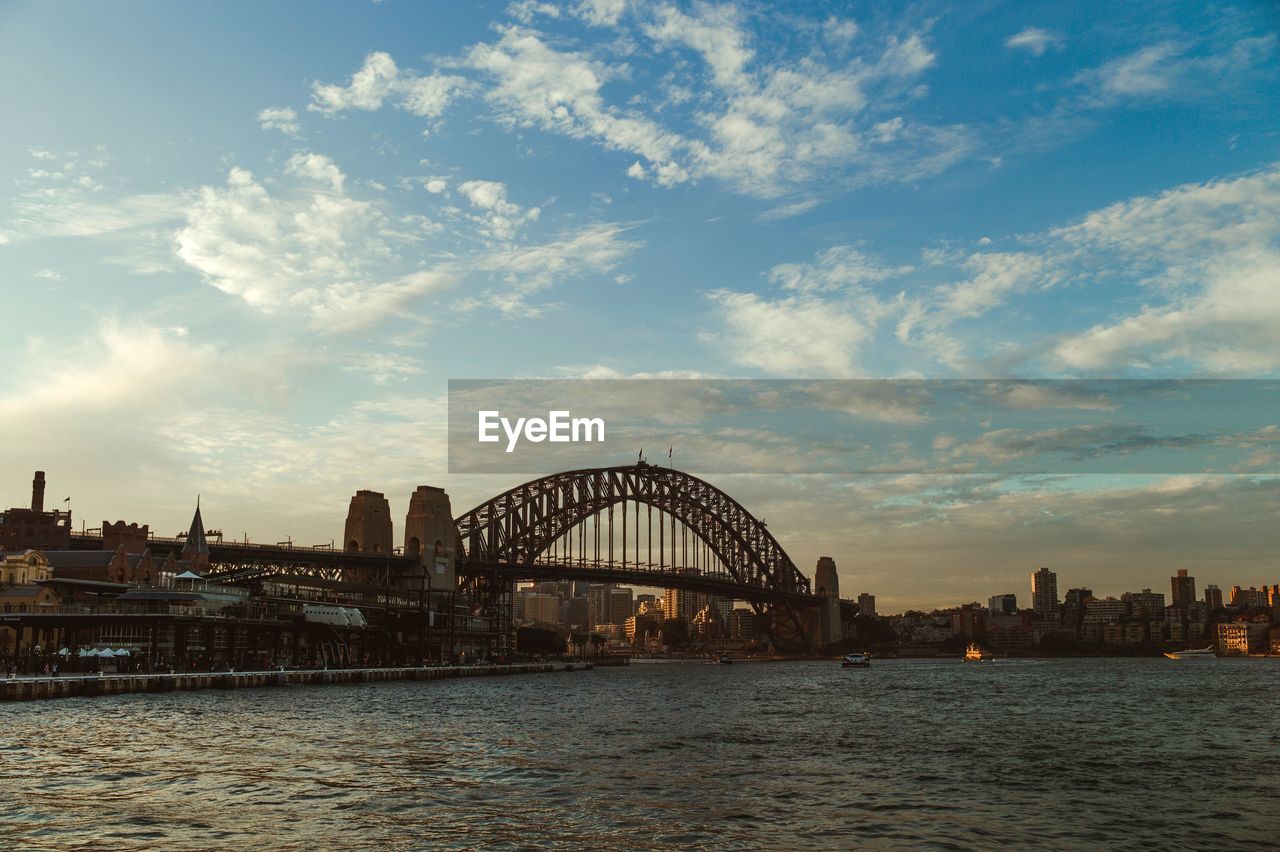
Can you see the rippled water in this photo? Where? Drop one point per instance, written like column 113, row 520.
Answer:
column 1078, row 753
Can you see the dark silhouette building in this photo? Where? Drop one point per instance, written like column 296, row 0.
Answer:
column 34, row 528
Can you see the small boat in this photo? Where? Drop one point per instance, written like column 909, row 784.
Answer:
column 855, row 661
column 1197, row 654
column 974, row 654
column 725, row 659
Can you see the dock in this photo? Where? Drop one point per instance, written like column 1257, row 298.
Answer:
column 39, row 687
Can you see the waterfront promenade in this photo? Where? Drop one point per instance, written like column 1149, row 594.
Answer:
column 29, row 688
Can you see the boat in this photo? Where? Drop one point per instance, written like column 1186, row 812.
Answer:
column 725, row 660
column 1196, row 654
column 855, row 661
column 974, row 654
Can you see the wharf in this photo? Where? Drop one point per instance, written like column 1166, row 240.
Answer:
column 31, row 688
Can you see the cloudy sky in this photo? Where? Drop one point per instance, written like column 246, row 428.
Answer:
column 243, row 248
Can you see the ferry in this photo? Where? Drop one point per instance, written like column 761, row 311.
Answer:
column 1197, row 654
column 974, row 654
column 855, row 661
column 725, row 660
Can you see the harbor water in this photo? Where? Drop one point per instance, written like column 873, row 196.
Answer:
column 1141, row 753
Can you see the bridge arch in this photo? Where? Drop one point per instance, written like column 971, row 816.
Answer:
column 518, row 526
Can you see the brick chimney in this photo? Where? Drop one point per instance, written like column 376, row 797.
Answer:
column 37, row 492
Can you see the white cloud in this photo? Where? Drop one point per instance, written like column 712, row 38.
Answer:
column 378, row 81
column 1033, row 40
column 316, row 252
column 839, row 268
column 284, row 119
column 1171, row 67
column 499, row 218
column 48, row 274
column 795, row 336
column 383, row 368
column 600, row 13
column 1213, row 251
column 523, row 271
column 537, row 86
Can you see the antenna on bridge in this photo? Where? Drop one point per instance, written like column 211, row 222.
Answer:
column 670, row 449
column 640, row 456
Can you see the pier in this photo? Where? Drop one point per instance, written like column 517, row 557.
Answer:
column 34, row 688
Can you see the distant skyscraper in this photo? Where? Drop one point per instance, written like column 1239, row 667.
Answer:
column 1003, row 604
column 867, row 605
column 1145, row 604
column 1044, row 593
column 1212, row 597
column 1184, row 589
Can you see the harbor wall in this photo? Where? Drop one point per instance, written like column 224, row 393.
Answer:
column 76, row 686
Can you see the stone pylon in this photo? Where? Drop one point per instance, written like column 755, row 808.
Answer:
column 826, row 583
column 429, row 534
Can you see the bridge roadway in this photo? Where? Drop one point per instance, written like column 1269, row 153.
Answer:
column 275, row 555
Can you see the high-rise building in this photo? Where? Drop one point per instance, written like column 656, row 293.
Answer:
column 1145, row 604
column 1212, row 597
column 681, row 603
column 598, row 603
column 742, row 624
column 541, row 609
column 867, row 605
column 1044, row 593
column 1184, row 589
column 1252, row 596
column 620, row 606
column 1002, row 604
column 641, row 600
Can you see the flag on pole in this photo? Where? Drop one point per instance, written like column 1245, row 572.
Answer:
column 68, row 500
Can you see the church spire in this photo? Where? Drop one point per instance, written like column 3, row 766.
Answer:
column 196, row 548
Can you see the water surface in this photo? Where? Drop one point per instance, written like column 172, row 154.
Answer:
column 1059, row 754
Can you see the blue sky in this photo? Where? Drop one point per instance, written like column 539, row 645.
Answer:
column 245, row 246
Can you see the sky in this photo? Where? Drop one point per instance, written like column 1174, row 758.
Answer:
column 244, row 247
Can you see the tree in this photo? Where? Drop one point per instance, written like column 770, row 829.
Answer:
column 535, row 640
column 675, row 633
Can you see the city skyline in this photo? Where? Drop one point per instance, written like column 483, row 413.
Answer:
column 245, row 263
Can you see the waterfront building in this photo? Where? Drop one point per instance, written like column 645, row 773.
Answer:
column 867, row 605
column 1233, row 639
column 1145, row 604
column 1273, row 595
column 1009, row 633
column 1105, row 611
column 33, row 528
column 1044, row 593
column 1212, row 597
column 1002, row 604
column 19, row 575
column 1250, row 597
column 611, row 632
column 629, row 629
column 1073, row 607
column 1183, row 589
column 969, row 622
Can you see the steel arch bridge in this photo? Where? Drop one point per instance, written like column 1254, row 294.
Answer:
column 599, row 524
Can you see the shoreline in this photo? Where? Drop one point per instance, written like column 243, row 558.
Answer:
column 44, row 687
